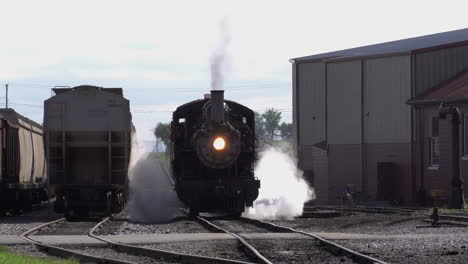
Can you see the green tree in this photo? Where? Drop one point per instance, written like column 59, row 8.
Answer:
column 259, row 126
column 286, row 130
column 162, row 132
column 272, row 118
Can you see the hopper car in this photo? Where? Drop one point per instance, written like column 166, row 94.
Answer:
column 23, row 176
column 88, row 132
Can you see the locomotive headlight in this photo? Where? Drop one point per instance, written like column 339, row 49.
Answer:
column 219, row 143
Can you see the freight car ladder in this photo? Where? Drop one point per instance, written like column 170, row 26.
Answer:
column 56, row 157
column 117, row 158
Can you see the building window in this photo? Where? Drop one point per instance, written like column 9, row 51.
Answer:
column 465, row 135
column 434, row 142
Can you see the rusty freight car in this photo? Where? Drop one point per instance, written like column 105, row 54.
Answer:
column 23, row 177
column 88, row 133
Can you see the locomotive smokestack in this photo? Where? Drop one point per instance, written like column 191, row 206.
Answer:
column 217, row 106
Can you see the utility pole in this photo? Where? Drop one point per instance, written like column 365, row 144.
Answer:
column 6, row 95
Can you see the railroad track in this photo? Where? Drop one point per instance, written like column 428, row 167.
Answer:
column 215, row 224
column 165, row 255
column 64, row 252
column 121, row 253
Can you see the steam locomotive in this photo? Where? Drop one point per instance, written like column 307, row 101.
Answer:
column 213, row 153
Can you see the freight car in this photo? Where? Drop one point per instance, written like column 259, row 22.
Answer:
column 213, row 153
column 23, row 178
column 88, row 133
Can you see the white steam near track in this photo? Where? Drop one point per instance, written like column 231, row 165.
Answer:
column 152, row 198
column 283, row 190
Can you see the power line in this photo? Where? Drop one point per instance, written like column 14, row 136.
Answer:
column 141, row 111
column 181, row 90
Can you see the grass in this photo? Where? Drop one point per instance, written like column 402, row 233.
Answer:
column 7, row 256
column 160, row 155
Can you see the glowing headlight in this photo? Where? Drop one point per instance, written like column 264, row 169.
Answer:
column 219, row 143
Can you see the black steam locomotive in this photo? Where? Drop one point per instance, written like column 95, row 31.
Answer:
column 213, row 153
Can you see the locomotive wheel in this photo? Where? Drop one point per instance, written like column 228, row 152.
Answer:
column 59, row 206
column 194, row 212
column 236, row 214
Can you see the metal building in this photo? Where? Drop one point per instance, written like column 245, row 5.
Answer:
column 352, row 124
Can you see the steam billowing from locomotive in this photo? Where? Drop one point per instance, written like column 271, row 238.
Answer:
column 152, row 199
column 284, row 191
column 219, row 62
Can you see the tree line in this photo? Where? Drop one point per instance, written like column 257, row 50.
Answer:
column 268, row 126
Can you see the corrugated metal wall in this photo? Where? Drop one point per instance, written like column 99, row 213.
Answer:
column 311, row 102
column 434, row 67
column 386, row 88
column 320, row 172
column 344, row 102
column 295, row 105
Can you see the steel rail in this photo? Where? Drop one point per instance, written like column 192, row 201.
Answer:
column 167, row 255
column 250, row 250
column 361, row 258
column 63, row 252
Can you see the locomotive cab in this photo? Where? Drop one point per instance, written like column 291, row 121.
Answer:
column 213, row 155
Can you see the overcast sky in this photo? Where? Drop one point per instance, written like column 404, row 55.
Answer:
column 159, row 52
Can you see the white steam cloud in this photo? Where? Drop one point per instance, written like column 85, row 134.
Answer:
column 220, row 59
column 283, row 190
column 152, row 196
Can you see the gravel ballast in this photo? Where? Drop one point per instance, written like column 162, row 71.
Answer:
column 15, row 225
column 180, row 225
column 106, row 252
column 227, row 249
column 296, row 251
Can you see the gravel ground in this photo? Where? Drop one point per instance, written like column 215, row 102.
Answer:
column 227, row 249
column 15, row 225
column 239, row 226
column 121, row 225
column 370, row 224
column 109, row 253
column 296, row 251
column 423, row 251
column 68, row 228
column 180, row 225
column 420, row 244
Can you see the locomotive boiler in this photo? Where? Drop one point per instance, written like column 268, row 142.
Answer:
column 213, row 154
column 88, row 133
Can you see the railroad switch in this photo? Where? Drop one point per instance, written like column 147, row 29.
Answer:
column 435, row 218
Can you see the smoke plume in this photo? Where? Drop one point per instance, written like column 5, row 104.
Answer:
column 220, row 59
column 152, row 196
column 283, row 190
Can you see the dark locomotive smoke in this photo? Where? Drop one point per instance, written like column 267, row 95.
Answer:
column 220, row 58
column 283, row 190
column 152, row 196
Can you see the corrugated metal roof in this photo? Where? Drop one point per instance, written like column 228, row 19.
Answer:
column 454, row 89
column 61, row 90
column 398, row 46
column 12, row 117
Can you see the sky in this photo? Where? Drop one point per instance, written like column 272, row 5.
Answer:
column 160, row 52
